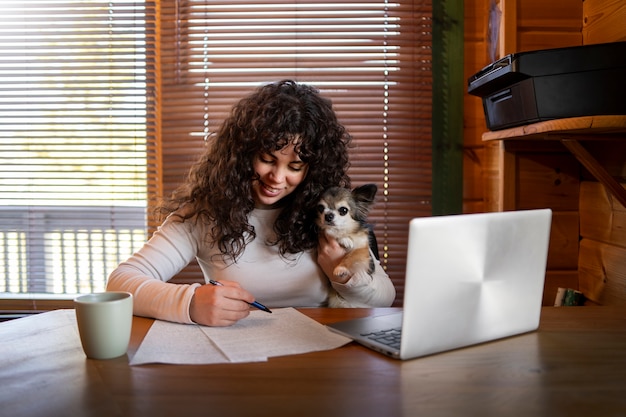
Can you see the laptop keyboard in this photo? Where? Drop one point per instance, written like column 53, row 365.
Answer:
column 389, row 337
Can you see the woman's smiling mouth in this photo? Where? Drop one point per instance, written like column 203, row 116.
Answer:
column 270, row 190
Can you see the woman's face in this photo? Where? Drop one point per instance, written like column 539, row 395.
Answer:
column 279, row 174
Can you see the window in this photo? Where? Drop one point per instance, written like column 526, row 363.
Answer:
column 371, row 57
column 106, row 104
column 77, row 139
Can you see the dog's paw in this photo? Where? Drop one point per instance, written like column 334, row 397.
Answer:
column 341, row 272
column 346, row 242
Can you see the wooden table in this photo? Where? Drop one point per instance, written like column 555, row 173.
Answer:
column 575, row 365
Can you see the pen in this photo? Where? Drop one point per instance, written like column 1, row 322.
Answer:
column 253, row 304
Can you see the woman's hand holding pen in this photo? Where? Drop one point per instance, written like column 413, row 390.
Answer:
column 220, row 305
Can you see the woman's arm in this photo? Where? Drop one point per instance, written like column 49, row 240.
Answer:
column 362, row 289
column 365, row 290
column 145, row 274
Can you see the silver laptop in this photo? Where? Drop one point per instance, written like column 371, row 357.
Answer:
column 470, row 278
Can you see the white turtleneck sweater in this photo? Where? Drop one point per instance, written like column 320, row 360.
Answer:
column 297, row 281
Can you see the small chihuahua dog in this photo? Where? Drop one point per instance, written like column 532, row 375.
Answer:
column 342, row 215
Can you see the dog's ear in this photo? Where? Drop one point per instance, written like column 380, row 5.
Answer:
column 365, row 193
column 364, row 197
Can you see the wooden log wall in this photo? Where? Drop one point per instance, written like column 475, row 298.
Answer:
column 587, row 248
column 602, row 259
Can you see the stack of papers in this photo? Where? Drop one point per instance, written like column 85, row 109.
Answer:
column 255, row 339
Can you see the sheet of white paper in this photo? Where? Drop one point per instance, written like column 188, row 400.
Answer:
column 56, row 328
column 177, row 344
column 285, row 332
column 254, row 339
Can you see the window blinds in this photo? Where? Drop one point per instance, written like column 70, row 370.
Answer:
column 371, row 57
column 77, row 140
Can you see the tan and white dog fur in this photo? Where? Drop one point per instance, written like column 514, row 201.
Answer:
column 342, row 215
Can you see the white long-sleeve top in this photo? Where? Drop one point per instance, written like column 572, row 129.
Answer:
column 275, row 281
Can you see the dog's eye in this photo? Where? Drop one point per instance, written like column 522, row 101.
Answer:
column 343, row 211
column 320, row 208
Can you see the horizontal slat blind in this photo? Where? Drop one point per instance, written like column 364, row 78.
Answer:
column 371, row 57
column 77, row 141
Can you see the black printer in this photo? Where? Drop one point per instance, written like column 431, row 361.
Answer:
column 529, row 87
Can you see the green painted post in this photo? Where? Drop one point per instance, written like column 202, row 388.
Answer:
column 447, row 118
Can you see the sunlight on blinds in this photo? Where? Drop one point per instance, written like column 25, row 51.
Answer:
column 341, row 48
column 76, row 124
column 72, row 103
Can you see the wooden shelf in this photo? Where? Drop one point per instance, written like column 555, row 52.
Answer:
column 598, row 127
column 570, row 132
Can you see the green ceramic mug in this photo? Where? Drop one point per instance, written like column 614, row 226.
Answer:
column 104, row 323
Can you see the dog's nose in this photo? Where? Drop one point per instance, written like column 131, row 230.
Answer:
column 329, row 217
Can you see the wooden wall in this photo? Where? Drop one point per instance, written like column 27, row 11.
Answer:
column 587, row 249
column 604, row 21
column 602, row 259
column 547, row 180
column 539, row 24
column 474, row 156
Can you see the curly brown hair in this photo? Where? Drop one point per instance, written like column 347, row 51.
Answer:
column 219, row 186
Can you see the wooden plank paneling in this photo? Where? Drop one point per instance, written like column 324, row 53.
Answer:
column 603, row 21
column 548, row 24
column 602, row 217
column 547, row 180
column 557, row 15
column 516, row 178
column 475, row 163
column 602, row 262
column 602, row 272
column 613, row 157
column 493, row 176
column 564, row 237
column 473, row 166
column 540, row 39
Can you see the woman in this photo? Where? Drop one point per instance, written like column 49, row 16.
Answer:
column 246, row 213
